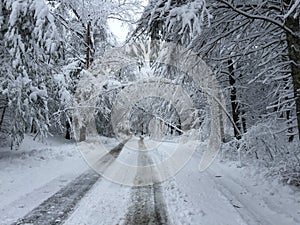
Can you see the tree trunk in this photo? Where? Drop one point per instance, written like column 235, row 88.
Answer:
column 221, row 120
column 88, row 44
column 82, row 132
column 293, row 42
column 244, row 123
column 33, row 129
column 290, row 129
column 233, row 99
column 68, row 129
column 82, row 135
column 2, row 117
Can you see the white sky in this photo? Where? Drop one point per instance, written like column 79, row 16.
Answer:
column 121, row 29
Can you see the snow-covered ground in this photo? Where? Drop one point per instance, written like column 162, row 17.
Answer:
column 223, row 194
column 226, row 194
column 33, row 173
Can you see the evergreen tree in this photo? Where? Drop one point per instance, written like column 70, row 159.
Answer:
column 32, row 46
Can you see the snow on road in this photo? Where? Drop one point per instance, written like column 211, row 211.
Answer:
column 35, row 172
column 212, row 197
column 59, row 206
column 148, row 206
column 223, row 194
column 112, row 203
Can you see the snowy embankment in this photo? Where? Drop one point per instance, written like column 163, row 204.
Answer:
column 226, row 194
column 33, row 173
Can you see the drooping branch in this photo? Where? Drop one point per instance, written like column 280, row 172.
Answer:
column 258, row 17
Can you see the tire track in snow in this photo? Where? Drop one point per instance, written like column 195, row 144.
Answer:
column 252, row 209
column 265, row 202
column 148, row 206
column 57, row 208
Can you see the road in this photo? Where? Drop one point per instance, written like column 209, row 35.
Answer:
column 147, row 202
column 221, row 195
column 57, row 208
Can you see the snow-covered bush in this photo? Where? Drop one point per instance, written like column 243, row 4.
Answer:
column 265, row 146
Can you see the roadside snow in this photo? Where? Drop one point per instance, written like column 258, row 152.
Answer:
column 33, row 173
column 226, row 194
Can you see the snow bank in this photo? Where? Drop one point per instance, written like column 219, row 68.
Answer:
column 33, row 173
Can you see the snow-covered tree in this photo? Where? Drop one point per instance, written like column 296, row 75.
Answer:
column 32, row 46
column 84, row 25
column 256, row 38
column 174, row 20
column 253, row 47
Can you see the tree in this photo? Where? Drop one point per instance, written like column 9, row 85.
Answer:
column 87, row 37
column 292, row 24
column 277, row 24
column 178, row 21
column 32, row 45
column 253, row 47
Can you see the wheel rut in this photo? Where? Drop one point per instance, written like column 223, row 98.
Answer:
column 57, row 208
column 147, row 202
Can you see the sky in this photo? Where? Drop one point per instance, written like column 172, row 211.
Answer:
column 121, row 29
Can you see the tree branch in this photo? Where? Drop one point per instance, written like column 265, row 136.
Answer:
column 264, row 18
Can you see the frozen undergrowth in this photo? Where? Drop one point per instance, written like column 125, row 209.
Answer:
column 263, row 146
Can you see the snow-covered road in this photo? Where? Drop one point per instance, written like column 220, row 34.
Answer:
column 223, row 194
column 147, row 202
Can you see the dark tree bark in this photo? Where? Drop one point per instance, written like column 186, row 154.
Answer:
column 33, row 129
column 244, row 123
column 2, row 117
column 88, row 44
column 82, row 136
column 233, row 99
column 68, row 129
column 179, row 126
column 82, row 131
column 293, row 41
